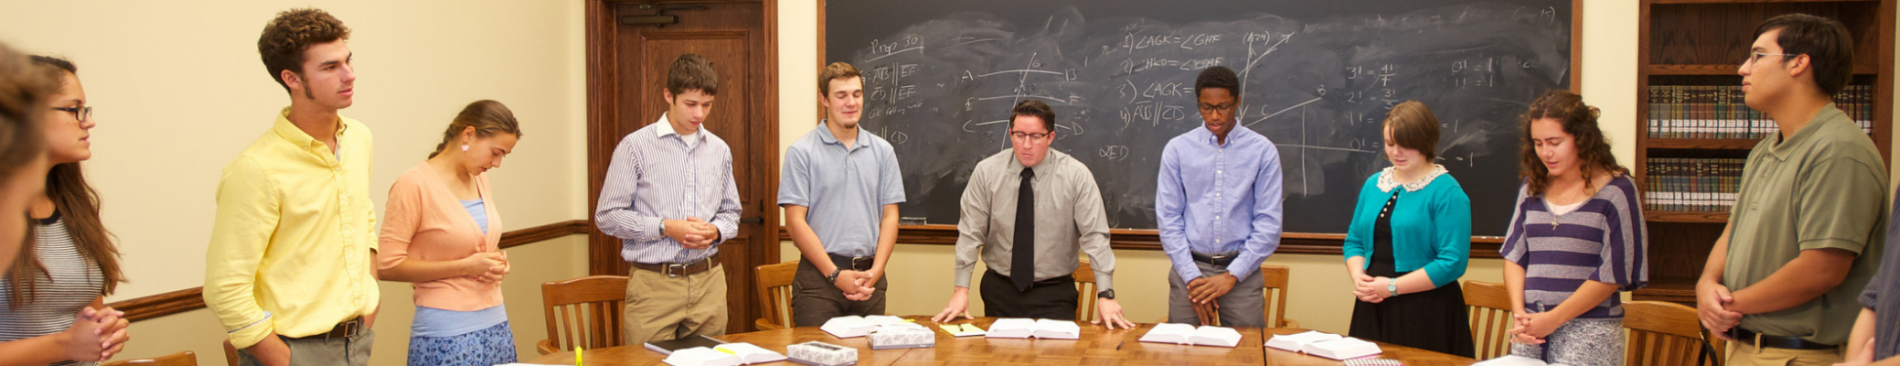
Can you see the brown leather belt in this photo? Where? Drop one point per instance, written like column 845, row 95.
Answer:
column 347, row 329
column 672, row 270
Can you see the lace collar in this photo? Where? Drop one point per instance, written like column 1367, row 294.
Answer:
column 1386, row 182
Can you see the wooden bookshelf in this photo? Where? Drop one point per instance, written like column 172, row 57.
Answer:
column 1700, row 42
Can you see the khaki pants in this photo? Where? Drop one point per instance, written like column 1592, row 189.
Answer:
column 322, row 351
column 1741, row 354
column 662, row 309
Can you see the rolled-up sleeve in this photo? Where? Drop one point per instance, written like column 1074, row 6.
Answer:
column 240, row 234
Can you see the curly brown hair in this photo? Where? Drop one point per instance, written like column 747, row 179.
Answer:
column 293, row 31
column 1578, row 120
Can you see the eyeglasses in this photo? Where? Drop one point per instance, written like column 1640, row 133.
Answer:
column 82, row 113
column 1754, row 57
column 1211, row 108
column 1022, row 136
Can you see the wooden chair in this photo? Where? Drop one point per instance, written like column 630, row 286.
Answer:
column 1490, row 307
column 1277, row 279
column 1085, row 292
column 186, row 358
column 230, row 353
column 1664, row 333
column 588, row 310
column 775, row 293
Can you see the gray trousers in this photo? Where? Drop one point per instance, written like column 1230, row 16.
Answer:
column 1244, row 306
column 319, row 351
column 815, row 300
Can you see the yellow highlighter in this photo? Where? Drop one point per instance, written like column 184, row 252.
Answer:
column 577, row 355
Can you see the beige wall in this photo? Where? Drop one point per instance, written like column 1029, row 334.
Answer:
column 180, row 91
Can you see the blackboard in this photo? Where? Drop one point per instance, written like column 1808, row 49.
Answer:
column 1318, row 78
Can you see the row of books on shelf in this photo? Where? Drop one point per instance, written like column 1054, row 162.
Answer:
column 1719, row 112
column 1692, row 184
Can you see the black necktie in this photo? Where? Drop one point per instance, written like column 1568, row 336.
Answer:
column 1022, row 264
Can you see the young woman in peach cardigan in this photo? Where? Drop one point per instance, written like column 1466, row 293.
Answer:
column 441, row 231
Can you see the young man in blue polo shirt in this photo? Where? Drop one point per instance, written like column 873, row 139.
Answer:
column 840, row 187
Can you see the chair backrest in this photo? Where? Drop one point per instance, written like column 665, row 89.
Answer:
column 230, row 353
column 584, row 311
column 1490, row 307
column 1663, row 333
column 1275, row 281
column 186, row 358
column 1085, row 292
column 775, row 293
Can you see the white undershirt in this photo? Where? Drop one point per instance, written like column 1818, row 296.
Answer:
column 1559, row 210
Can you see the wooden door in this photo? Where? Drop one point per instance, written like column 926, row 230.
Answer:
column 627, row 72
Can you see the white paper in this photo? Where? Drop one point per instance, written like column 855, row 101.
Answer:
column 1057, row 329
column 749, row 353
column 701, row 356
column 851, row 326
column 1511, row 360
column 1297, row 342
column 1340, row 349
column 1012, row 328
column 1188, row 334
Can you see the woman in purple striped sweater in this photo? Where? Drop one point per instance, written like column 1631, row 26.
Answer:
column 1576, row 239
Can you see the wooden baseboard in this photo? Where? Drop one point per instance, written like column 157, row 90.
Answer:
column 174, row 302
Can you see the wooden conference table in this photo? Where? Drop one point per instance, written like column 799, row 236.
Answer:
column 1097, row 346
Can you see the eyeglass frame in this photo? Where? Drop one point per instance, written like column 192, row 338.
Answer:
column 83, row 112
column 1754, row 56
column 1025, row 136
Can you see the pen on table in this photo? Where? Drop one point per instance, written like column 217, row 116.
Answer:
column 1118, row 346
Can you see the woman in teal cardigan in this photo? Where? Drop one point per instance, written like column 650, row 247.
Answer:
column 1408, row 244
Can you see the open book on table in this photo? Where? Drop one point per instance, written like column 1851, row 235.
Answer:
column 856, row 326
column 729, row 354
column 1042, row 328
column 1324, row 344
column 1205, row 335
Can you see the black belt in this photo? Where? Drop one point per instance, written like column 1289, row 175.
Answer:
column 1218, row 260
column 853, row 263
column 1768, row 341
column 347, row 329
column 1059, row 280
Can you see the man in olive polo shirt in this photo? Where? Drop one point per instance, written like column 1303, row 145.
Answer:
column 1807, row 230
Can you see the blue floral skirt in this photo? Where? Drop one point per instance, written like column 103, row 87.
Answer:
column 486, row 347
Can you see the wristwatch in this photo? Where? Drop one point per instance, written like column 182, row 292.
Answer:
column 1106, row 294
column 1392, row 284
column 833, row 278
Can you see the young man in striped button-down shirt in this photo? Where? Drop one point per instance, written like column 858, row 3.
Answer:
column 670, row 197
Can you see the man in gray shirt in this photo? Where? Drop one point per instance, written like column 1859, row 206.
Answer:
column 840, row 187
column 1031, row 249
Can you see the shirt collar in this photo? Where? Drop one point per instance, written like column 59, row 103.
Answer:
column 1787, row 145
column 1048, row 162
column 824, row 134
column 666, row 128
column 289, row 131
column 1232, row 135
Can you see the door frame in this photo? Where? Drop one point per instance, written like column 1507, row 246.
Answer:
column 603, row 87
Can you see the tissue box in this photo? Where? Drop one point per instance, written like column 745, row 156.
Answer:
column 905, row 335
column 816, row 353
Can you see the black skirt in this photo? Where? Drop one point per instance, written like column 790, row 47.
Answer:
column 1435, row 320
